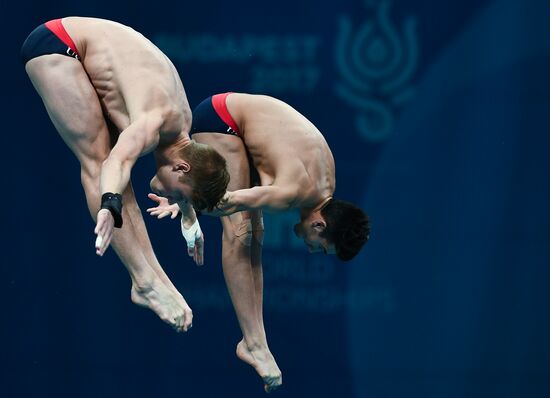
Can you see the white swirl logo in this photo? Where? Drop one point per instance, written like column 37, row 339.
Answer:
column 376, row 66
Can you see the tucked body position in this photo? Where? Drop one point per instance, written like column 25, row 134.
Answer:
column 113, row 96
column 278, row 160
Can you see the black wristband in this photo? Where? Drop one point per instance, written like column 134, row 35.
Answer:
column 113, row 203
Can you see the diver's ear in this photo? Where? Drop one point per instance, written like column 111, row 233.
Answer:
column 182, row 166
column 319, row 225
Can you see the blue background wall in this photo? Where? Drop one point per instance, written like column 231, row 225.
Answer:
column 437, row 114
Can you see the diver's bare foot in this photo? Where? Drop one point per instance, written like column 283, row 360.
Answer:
column 171, row 308
column 264, row 363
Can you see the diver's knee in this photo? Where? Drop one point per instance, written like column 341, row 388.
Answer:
column 237, row 228
column 243, row 232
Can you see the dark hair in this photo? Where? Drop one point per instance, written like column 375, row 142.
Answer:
column 209, row 175
column 348, row 228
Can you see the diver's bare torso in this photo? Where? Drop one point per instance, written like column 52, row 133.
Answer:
column 286, row 148
column 130, row 75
